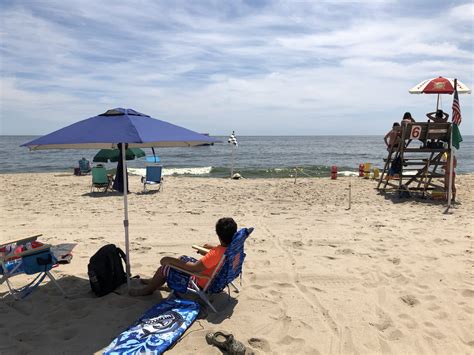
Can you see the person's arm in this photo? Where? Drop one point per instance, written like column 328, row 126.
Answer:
column 385, row 139
column 195, row 267
column 431, row 115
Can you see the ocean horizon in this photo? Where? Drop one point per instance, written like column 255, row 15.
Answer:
column 255, row 156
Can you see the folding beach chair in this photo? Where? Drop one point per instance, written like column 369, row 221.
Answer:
column 100, row 180
column 23, row 257
column 153, row 176
column 227, row 270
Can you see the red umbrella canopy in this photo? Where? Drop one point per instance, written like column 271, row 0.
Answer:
column 439, row 85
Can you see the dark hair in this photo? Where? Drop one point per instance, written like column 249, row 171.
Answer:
column 407, row 116
column 395, row 124
column 225, row 229
column 439, row 114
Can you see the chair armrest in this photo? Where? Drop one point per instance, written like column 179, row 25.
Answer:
column 21, row 241
column 200, row 250
column 27, row 252
column 189, row 272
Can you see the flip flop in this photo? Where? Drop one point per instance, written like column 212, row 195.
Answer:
column 226, row 342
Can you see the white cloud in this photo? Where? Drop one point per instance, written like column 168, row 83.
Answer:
column 463, row 13
column 214, row 67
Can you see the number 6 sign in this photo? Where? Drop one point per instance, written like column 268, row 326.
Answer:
column 415, row 132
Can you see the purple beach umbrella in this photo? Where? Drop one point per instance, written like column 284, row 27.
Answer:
column 117, row 126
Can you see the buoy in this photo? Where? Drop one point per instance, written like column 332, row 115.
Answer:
column 361, row 170
column 333, row 172
column 367, row 170
column 376, row 173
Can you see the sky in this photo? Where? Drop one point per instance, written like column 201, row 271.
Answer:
column 257, row 67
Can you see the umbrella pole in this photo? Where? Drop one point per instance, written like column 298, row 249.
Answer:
column 437, row 103
column 125, row 214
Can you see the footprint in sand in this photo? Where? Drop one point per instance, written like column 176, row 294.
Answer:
column 345, row 251
column 384, row 321
column 410, row 300
column 260, row 344
column 68, row 333
column 467, row 293
column 409, row 322
column 297, row 244
column 25, row 335
column 395, row 261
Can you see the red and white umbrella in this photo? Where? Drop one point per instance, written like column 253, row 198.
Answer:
column 439, row 85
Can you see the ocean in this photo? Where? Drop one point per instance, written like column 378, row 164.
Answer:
column 255, row 157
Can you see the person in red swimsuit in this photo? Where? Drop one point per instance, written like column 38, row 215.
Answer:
column 225, row 230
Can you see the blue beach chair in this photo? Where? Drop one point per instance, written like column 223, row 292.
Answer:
column 227, row 270
column 153, row 176
column 38, row 261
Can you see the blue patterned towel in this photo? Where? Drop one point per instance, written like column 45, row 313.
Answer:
column 159, row 328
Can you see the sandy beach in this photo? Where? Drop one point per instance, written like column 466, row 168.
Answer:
column 386, row 276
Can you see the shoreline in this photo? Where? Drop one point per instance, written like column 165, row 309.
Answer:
column 178, row 176
column 384, row 276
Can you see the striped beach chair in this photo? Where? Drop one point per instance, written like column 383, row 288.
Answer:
column 20, row 257
column 227, row 271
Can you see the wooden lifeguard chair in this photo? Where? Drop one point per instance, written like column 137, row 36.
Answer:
column 421, row 148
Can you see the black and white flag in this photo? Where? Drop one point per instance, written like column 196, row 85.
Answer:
column 232, row 139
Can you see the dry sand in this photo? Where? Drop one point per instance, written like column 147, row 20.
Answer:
column 383, row 277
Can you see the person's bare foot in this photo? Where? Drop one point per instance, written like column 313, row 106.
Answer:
column 134, row 292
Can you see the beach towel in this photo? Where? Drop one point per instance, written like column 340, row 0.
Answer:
column 159, row 328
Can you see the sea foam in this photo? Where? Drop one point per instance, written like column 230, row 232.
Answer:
column 174, row 171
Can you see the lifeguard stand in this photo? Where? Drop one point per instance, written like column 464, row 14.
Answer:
column 421, row 148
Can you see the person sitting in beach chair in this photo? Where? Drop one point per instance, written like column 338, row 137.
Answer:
column 218, row 267
column 84, row 166
column 225, row 230
column 438, row 116
column 407, row 118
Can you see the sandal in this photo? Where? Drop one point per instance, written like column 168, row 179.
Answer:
column 226, row 342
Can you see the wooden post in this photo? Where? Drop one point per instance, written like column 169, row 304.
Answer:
column 232, row 166
column 350, row 192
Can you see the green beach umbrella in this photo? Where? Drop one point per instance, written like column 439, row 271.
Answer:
column 112, row 155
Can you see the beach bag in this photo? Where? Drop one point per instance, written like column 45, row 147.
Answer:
column 105, row 270
column 39, row 262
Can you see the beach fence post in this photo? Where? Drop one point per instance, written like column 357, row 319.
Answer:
column 125, row 213
column 232, row 140
column 350, row 192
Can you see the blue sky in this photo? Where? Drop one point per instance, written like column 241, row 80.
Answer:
column 256, row 67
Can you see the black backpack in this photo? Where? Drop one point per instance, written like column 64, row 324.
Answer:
column 105, row 270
